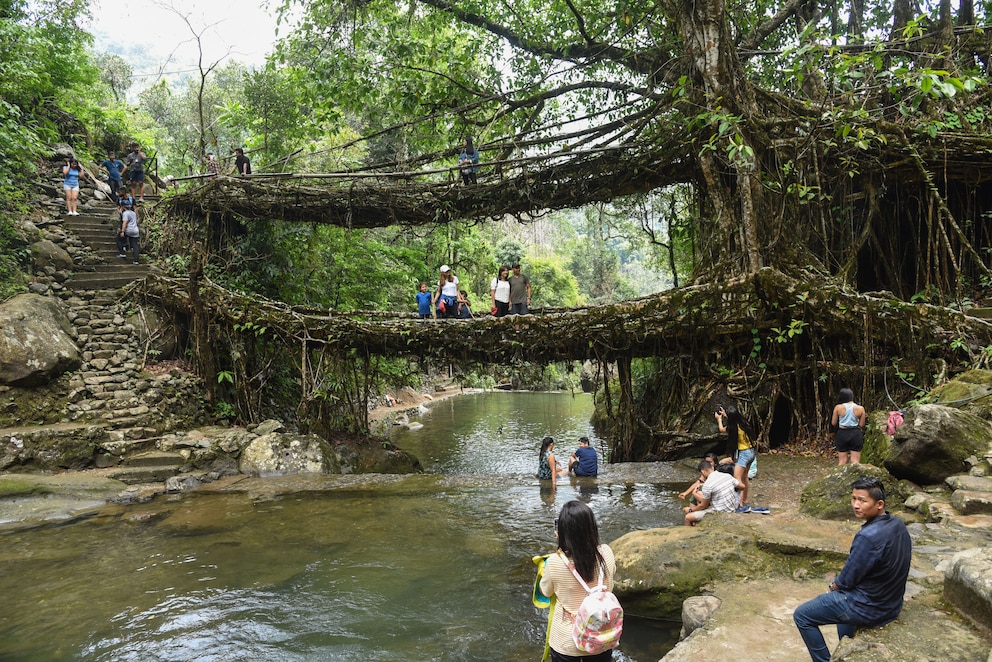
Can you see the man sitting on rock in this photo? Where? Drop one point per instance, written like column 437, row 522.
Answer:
column 584, row 461
column 717, row 493
column 869, row 590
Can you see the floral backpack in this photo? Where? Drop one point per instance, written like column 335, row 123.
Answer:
column 599, row 621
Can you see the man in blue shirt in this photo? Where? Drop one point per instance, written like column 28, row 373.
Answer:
column 869, row 590
column 113, row 166
column 584, row 461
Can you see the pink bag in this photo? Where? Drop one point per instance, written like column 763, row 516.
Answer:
column 895, row 420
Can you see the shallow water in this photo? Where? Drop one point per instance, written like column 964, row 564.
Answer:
column 335, row 568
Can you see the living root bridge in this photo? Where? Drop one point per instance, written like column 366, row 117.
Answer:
column 367, row 200
column 698, row 321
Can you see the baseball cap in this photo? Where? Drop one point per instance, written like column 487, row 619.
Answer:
column 445, row 268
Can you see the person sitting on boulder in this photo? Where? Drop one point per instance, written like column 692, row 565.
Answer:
column 869, row 590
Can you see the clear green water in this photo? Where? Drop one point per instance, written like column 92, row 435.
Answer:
column 412, row 568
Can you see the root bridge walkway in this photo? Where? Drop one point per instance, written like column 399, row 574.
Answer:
column 686, row 321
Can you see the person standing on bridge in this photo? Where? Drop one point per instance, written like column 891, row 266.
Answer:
column 500, row 292
column 446, row 297
column 519, row 292
column 242, row 164
column 424, row 302
column 468, row 161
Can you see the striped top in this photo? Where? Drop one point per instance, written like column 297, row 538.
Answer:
column 559, row 581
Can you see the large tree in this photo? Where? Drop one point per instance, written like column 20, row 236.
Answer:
column 842, row 141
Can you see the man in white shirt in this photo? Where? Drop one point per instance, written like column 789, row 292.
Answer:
column 719, row 492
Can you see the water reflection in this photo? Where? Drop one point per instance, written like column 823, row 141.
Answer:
column 330, row 568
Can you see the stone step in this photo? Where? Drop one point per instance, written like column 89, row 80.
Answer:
column 109, row 276
column 149, row 466
column 136, row 433
column 139, row 475
column 154, row 459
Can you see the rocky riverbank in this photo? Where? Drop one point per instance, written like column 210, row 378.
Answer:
column 736, row 579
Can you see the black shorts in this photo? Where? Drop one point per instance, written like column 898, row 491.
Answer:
column 849, row 439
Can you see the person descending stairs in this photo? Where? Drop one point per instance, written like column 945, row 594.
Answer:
column 97, row 225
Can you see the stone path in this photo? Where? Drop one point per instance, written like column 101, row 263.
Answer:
column 95, row 226
column 114, row 407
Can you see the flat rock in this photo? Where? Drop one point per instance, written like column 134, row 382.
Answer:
column 972, row 483
column 972, row 503
column 968, row 585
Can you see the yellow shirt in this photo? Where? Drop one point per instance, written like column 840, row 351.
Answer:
column 743, row 441
column 558, row 580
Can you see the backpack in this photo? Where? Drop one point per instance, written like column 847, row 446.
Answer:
column 598, row 623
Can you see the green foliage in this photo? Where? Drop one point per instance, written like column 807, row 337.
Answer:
column 786, row 334
column 225, row 411
column 115, row 73
column 15, row 257
column 508, row 251
column 552, row 284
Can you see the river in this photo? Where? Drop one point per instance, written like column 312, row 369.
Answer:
column 428, row 567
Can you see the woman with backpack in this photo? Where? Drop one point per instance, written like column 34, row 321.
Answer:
column 580, row 559
column 446, row 297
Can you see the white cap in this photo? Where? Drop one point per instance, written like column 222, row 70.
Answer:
column 445, row 268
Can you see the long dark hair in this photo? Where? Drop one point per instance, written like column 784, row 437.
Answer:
column 547, row 441
column 500, row 271
column 578, row 538
column 469, row 149
column 735, row 421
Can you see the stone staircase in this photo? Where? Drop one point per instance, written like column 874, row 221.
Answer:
column 95, row 227
column 149, row 467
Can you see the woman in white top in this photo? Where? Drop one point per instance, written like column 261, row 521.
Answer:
column 500, row 291
column 849, row 421
column 578, row 544
column 447, row 292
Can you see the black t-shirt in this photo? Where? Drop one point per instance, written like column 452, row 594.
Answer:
column 242, row 165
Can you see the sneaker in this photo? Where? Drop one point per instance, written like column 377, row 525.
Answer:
column 761, row 510
column 134, row 263
column 122, row 256
column 743, row 509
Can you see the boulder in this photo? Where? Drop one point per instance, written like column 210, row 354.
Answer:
column 696, row 611
column 968, row 502
column 968, row 585
column 182, row 483
column 48, row 254
column 62, row 152
column 829, row 496
column 280, row 454
column 970, row 391
column 52, row 447
column 156, row 333
column 36, row 343
column 658, row 569
column 268, row 427
column 934, row 442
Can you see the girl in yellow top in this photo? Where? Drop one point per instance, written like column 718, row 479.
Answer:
column 578, row 542
column 741, row 438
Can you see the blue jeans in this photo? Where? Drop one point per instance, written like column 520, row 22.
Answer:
column 745, row 457
column 829, row 608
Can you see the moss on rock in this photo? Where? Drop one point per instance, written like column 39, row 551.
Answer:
column 829, row 497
